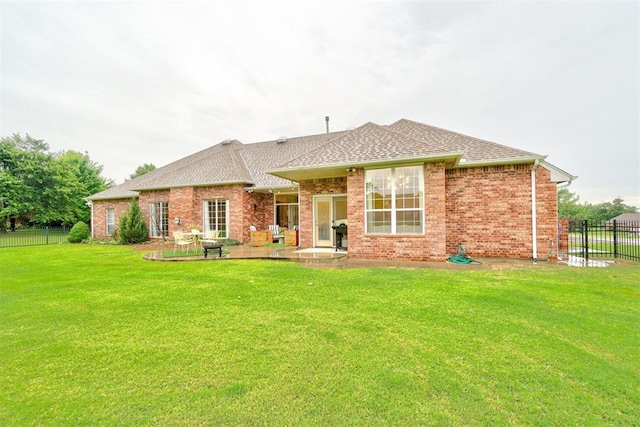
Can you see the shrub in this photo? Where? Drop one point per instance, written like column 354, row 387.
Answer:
column 79, row 232
column 132, row 227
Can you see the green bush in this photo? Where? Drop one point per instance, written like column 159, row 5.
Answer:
column 132, row 228
column 79, row 232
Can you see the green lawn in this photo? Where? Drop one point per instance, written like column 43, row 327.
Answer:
column 94, row 335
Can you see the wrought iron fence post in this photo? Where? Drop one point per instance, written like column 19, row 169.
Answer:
column 615, row 238
column 585, row 234
column 46, row 234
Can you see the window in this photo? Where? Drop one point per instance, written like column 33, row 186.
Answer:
column 395, row 200
column 159, row 224
column 287, row 210
column 216, row 216
column 111, row 221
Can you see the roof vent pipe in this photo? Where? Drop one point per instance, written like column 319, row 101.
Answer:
column 326, row 119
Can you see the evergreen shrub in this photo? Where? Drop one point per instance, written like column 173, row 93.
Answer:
column 132, row 228
column 79, row 232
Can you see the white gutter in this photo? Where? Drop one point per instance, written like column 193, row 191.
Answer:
column 534, row 211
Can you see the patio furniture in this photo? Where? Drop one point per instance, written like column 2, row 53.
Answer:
column 212, row 247
column 259, row 238
column 291, row 237
column 209, row 237
column 184, row 240
column 275, row 231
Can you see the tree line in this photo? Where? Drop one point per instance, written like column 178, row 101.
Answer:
column 569, row 206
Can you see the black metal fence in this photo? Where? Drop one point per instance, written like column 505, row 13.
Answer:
column 600, row 239
column 33, row 236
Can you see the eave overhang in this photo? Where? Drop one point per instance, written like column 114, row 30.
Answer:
column 558, row 175
column 337, row 170
column 201, row 184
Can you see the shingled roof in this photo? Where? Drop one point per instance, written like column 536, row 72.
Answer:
column 475, row 150
column 276, row 163
column 263, row 156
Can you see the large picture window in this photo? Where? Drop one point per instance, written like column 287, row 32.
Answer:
column 159, row 224
column 395, row 200
column 216, row 216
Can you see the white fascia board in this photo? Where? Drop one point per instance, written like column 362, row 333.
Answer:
column 501, row 161
column 340, row 169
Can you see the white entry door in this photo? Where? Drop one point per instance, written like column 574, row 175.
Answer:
column 322, row 231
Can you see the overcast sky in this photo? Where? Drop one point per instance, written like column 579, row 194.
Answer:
column 133, row 82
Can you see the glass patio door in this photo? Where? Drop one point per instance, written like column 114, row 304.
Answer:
column 322, row 231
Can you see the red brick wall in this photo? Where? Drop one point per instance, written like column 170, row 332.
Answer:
column 488, row 209
column 238, row 207
column 99, row 220
column 307, row 190
column 186, row 203
column 430, row 246
column 147, row 197
column 547, row 212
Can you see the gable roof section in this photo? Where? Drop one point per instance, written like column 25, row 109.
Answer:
column 216, row 165
column 368, row 145
column 121, row 191
column 476, row 151
column 263, row 156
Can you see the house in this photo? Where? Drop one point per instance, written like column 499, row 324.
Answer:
column 405, row 191
column 629, row 222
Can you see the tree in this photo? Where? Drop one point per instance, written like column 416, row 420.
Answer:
column 568, row 207
column 37, row 186
column 141, row 170
column 27, row 178
column 85, row 180
column 132, row 228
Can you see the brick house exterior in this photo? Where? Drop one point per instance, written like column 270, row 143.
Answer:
column 407, row 191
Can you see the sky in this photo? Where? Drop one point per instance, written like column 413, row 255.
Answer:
column 135, row 82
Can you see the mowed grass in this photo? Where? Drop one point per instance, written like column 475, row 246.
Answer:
column 94, row 335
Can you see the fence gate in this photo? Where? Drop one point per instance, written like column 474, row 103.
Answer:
column 599, row 239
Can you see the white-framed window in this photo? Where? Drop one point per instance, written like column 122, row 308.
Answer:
column 159, row 223
column 216, row 216
column 111, row 221
column 394, row 200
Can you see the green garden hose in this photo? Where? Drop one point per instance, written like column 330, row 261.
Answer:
column 462, row 259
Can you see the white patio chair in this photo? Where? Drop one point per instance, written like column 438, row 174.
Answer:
column 210, row 237
column 184, row 240
column 275, row 231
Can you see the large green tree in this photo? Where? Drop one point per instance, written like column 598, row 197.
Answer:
column 83, row 178
column 38, row 186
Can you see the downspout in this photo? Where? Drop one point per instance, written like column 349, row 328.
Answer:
column 534, row 211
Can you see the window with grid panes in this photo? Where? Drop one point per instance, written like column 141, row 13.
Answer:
column 394, row 200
